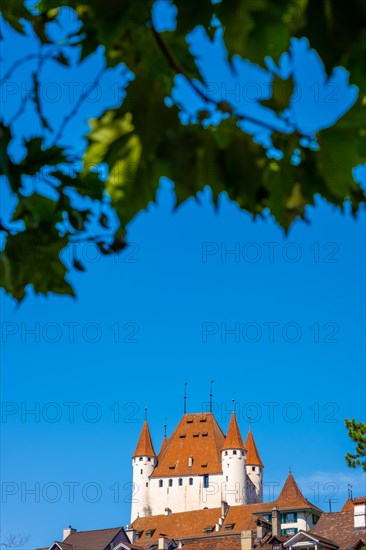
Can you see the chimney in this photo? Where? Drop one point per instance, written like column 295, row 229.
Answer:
column 224, row 508
column 359, row 513
column 246, row 540
column 131, row 534
column 163, row 543
column 260, row 530
column 68, row 532
column 276, row 521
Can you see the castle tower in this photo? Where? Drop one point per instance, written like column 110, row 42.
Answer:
column 144, row 461
column 233, row 456
column 254, row 468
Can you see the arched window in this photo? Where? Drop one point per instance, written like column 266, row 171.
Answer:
column 191, row 480
column 180, row 482
column 160, row 482
column 170, row 483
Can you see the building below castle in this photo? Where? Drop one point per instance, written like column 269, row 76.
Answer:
column 197, row 467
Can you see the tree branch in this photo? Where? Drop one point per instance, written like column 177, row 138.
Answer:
column 222, row 106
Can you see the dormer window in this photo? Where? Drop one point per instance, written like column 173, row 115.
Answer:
column 182, row 436
column 190, row 421
column 202, row 419
column 209, row 529
column 229, row 526
column 204, row 434
column 149, row 534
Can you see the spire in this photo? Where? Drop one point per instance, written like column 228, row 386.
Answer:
column 253, row 458
column 144, row 445
column 163, row 446
column 164, row 443
column 291, row 494
column 233, row 438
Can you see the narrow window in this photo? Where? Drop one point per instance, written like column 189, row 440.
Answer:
column 170, row 483
column 234, row 452
column 180, row 482
column 206, row 482
column 141, row 472
column 253, row 468
column 191, row 480
column 160, row 482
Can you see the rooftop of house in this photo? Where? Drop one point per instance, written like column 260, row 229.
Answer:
column 197, row 436
column 97, row 539
column 339, row 527
column 290, row 498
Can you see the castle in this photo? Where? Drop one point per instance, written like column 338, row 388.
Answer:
column 197, row 467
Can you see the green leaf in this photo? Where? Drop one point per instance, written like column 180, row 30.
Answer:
column 21, row 260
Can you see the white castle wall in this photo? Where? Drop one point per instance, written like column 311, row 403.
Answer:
column 154, row 496
column 255, row 488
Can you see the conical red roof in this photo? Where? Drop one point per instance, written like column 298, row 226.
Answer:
column 163, row 446
column 233, row 438
column 253, row 458
column 291, row 494
column 144, row 445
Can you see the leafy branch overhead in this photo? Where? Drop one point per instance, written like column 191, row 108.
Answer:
column 246, row 97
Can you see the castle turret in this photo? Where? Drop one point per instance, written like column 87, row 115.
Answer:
column 233, row 456
column 144, row 461
column 254, row 468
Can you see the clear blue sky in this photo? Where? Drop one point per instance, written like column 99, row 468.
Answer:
column 297, row 365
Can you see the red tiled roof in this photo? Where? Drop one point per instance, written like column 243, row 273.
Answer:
column 253, row 458
column 348, row 505
column 339, row 527
column 233, row 438
column 217, row 543
column 291, row 498
column 144, row 445
column 184, row 525
column 180, row 525
column 97, row 539
column 198, row 436
column 163, row 447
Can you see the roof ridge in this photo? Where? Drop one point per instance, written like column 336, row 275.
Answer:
column 89, row 530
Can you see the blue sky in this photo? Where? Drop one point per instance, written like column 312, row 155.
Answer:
column 160, row 315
